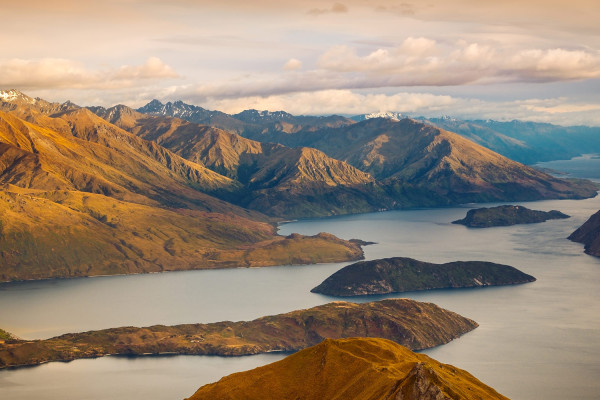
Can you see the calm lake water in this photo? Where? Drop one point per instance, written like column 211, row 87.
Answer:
column 535, row 341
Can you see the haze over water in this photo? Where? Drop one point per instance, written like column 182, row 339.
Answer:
column 535, row 341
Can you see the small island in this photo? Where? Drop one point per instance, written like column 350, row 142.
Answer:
column 414, row 324
column 589, row 235
column 355, row 368
column 400, row 274
column 506, row 216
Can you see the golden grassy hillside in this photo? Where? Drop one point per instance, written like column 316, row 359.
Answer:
column 351, row 369
column 80, row 196
column 52, row 234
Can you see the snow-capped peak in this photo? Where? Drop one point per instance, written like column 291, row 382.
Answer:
column 12, row 95
column 385, row 114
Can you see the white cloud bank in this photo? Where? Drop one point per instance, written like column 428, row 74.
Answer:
column 416, row 62
column 423, row 62
column 562, row 111
column 49, row 73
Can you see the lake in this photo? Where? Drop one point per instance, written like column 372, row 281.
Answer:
column 535, row 341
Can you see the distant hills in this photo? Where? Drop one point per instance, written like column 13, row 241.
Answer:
column 522, row 141
column 88, row 191
column 351, row 369
column 526, row 142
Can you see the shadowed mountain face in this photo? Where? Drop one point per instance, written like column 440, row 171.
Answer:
column 81, row 196
column 423, row 165
column 272, row 178
column 351, row 369
column 413, row 164
column 411, row 323
column 589, row 235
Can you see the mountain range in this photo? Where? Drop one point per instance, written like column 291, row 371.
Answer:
column 88, row 191
column 523, row 141
column 415, row 163
column 80, row 196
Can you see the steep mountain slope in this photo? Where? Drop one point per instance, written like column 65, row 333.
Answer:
column 416, row 164
column 94, row 156
column 411, row 323
column 80, row 196
column 424, row 165
column 351, row 369
column 589, row 235
column 276, row 180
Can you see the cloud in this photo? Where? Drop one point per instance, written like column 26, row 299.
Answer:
column 292, row 64
column 336, row 101
column 416, row 62
column 336, row 8
column 565, row 111
column 63, row 73
column 423, row 62
column 154, row 68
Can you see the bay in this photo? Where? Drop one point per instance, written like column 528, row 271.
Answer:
column 535, row 341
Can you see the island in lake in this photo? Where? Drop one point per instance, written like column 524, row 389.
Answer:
column 589, row 235
column 414, row 324
column 506, row 216
column 401, row 274
column 353, row 369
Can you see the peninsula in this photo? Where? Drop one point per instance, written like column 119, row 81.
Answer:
column 414, row 324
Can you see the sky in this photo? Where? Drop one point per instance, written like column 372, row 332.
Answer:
column 533, row 60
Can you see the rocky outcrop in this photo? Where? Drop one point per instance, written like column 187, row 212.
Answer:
column 413, row 324
column 400, row 274
column 589, row 235
column 506, row 216
column 351, row 369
